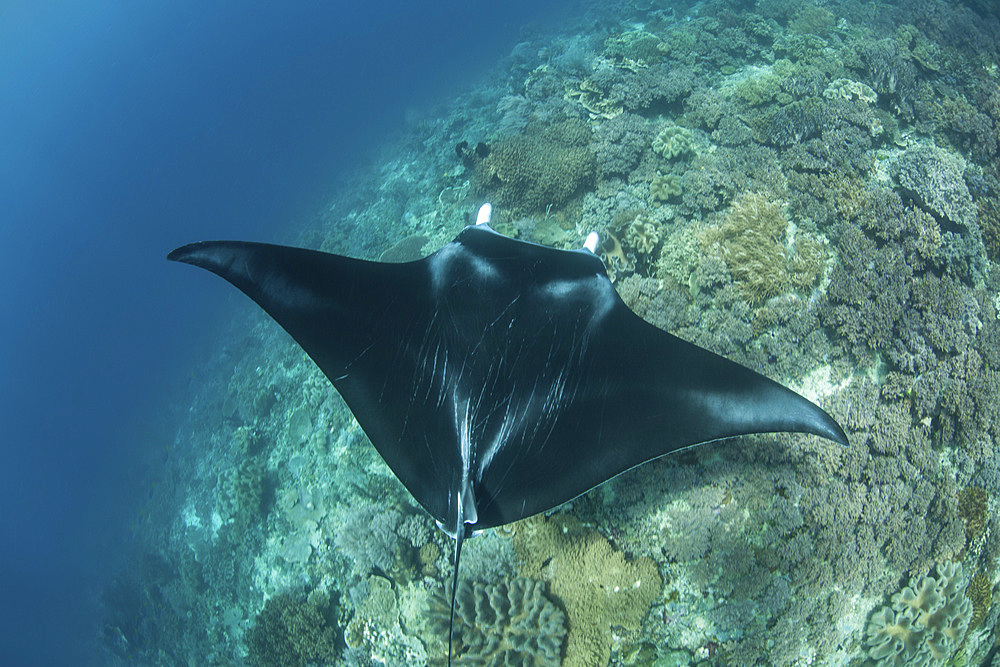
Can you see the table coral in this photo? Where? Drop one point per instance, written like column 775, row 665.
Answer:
column 933, row 177
column 592, row 98
column 847, row 89
column 634, row 45
column 598, row 587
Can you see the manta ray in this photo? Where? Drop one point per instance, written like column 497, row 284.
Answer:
column 500, row 378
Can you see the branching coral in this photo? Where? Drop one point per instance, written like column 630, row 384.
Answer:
column 868, row 290
column 933, row 177
column 507, row 623
column 621, row 143
column 925, row 622
column 369, row 536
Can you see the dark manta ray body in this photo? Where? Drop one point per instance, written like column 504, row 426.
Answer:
column 499, row 378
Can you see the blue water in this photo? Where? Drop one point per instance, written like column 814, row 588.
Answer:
column 127, row 129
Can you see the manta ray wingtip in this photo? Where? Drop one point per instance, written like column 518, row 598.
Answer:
column 187, row 253
column 839, row 436
column 178, row 254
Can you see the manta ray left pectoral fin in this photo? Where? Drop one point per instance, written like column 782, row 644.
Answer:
column 363, row 323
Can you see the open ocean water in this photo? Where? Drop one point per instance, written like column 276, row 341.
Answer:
column 811, row 189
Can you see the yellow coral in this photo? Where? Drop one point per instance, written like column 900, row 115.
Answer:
column 972, row 506
column 592, row 99
column 643, row 235
column 765, row 255
column 598, row 587
column 980, row 593
column 673, row 141
column 664, row 188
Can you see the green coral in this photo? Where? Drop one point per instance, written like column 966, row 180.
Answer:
column 666, row 187
column 291, row 630
column 502, row 624
column 925, row 623
column 673, row 141
column 924, row 52
column 757, row 90
column 765, row 255
column 535, row 171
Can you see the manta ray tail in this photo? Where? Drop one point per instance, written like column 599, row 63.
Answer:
column 459, row 538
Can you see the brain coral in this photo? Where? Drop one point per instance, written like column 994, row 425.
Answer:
column 530, row 172
column 597, row 586
column 291, row 630
column 502, row 624
column 925, row 622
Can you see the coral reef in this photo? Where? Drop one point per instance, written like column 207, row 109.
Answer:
column 673, row 141
column 715, row 147
column 925, row 622
column 763, row 257
column 293, row 630
column 506, row 623
column 530, row 172
column 933, row 178
column 407, row 249
column 597, row 586
column 666, row 187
